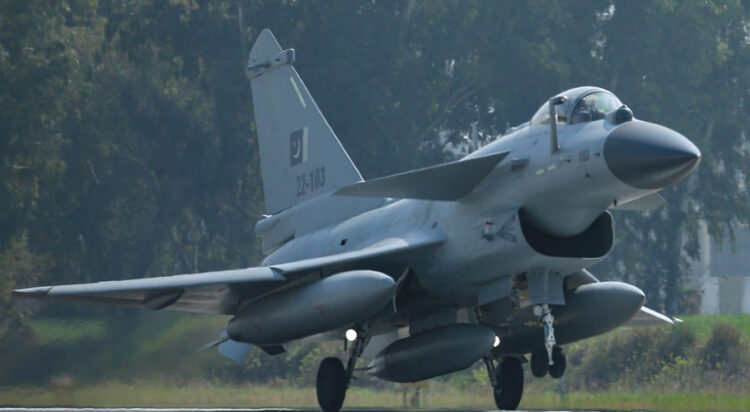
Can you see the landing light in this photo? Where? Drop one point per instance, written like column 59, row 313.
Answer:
column 496, row 343
column 351, row 335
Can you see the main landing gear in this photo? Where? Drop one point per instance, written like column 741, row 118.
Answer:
column 551, row 359
column 331, row 384
column 507, row 381
column 333, row 378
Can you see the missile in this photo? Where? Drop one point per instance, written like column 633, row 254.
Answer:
column 333, row 302
column 432, row 353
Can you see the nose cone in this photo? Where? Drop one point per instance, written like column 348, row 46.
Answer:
column 648, row 156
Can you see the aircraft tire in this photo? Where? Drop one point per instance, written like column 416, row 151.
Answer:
column 509, row 391
column 331, row 384
column 557, row 370
column 539, row 364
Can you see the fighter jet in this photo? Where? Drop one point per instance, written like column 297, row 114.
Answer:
column 429, row 271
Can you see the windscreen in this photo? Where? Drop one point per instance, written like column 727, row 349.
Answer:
column 595, row 106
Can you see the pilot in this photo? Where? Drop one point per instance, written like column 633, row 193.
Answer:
column 594, row 106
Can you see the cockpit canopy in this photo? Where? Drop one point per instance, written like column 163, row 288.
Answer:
column 584, row 104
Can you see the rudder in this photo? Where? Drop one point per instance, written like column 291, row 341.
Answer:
column 300, row 155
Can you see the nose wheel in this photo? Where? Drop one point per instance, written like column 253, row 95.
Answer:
column 540, row 366
column 507, row 381
column 557, row 370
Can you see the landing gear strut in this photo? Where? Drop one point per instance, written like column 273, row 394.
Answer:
column 549, row 331
column 551, row 359
column 333, row 379
column 507, row 381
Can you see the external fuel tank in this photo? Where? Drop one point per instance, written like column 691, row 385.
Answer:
column 333, row 302
column 432, row 353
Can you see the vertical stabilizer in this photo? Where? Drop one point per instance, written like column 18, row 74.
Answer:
column 300, row 156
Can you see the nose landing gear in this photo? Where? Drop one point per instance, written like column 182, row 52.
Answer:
column 551, row 359
column 549, row 331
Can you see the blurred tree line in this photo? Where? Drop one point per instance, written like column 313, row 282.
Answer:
column 127, row 143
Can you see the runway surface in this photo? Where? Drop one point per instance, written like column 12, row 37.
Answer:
column 213, row 410
column 62, row 409
column 219, row 410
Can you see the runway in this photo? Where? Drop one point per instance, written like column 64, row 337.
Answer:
column 63, row 409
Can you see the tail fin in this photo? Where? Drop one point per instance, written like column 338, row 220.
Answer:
column 300, row 156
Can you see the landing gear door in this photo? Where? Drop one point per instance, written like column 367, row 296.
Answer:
column 545, row 287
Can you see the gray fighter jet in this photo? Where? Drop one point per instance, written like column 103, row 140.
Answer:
column 429, row 271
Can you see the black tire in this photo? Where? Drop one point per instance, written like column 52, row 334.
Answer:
column 331, row 384
column 539, row 364
column 557, row 370
column 509, row 388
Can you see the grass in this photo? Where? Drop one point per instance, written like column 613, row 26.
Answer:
column 66, row 331
column 157, row 395
column 173, row 374
column 702, row 325
column 154, row 394
column 642, row 401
